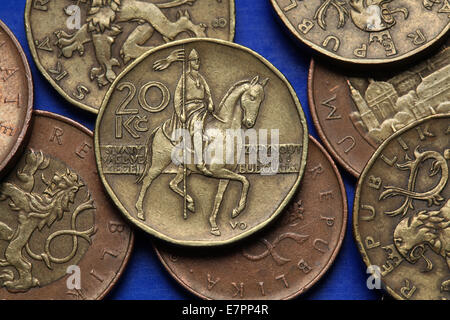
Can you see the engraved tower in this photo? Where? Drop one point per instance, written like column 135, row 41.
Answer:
column 367, row 116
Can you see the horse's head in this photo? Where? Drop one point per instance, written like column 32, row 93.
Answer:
column 251, row 101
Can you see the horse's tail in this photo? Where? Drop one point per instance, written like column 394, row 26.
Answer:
column 148, row 156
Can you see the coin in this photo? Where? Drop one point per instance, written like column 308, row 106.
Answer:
column 402, row 211
column 61, row 237
column 16, row 98
column 81, row 46
column 355, row 114
column 366, row 32
column 239, row 120
column 283, row 261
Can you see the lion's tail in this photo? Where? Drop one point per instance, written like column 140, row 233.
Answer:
column 148, row 156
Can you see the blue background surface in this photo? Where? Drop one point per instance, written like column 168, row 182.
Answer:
column 258, row 28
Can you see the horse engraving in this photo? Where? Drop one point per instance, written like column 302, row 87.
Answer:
column 103, row 26
column 35, row 212
column 239, row 108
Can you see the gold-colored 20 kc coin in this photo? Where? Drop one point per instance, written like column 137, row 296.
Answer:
column 237, row 118
column 402, row 212
column 81, row 46
column 367, row 32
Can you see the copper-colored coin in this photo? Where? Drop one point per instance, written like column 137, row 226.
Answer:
column 355, row 114
column 16, row 98
column 367, row 32
column 237, row 118
column 81, row 46
column 285, row 260
column 61, row 237
column 402, row 211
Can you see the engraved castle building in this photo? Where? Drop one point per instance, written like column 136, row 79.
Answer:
column 381, row 111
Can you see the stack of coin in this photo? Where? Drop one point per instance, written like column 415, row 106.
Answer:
column 193, row 135
column 384, row 113
column 204, row 145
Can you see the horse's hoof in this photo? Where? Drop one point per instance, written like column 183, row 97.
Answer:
column 140, row 215
column 191, row 207
column 215, row 231
column 36, row 282
column 445, row 286
column 235, row 213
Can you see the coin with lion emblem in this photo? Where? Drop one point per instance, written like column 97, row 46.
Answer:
column 369, row 32
column 402, row 212
column 80, row 46
column 61, row 238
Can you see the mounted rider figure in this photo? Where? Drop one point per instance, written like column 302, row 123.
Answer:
column 192, row 111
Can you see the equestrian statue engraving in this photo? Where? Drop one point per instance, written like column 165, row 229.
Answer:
column 197, row 115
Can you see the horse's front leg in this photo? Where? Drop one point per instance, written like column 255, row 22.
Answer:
column 174, row 185
column 244, row 193
column 230, row 175
column 223, row 184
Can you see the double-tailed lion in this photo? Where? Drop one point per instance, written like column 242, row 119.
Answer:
column 35, row 211
column 425, row 228
column 102, row 27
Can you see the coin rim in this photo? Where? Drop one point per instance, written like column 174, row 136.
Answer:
column 9, row 162
column 202, row 243
column 361, row 179
column 366, row 62
column 318, row 126
column 58, row 88
column 330, row 261
column 126, row 258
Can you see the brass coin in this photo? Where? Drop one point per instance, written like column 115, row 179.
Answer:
column 61, row 237
column 245, row 135
column 16, row 99
column 366, row 32
column 402, row 211
column 283, row 261
column 355, row 114
column 81, row 46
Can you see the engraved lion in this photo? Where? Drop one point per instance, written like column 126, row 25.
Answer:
column 424, row 228
column 34, row 212
column 367, row 15
column 102, row 27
